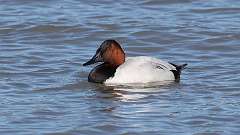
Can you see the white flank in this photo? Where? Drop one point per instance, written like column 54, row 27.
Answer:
column 142, row 69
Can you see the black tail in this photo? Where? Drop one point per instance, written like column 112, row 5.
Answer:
column 177, row 72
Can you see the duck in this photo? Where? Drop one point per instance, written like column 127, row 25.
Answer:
column 116, row 68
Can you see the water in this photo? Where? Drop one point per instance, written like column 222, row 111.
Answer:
column 44, row 88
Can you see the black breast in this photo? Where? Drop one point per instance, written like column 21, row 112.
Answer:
column 101, row 73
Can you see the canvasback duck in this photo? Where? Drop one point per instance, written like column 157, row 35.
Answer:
column 115, row 69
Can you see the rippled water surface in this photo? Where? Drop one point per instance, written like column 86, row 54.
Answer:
column 44, row 87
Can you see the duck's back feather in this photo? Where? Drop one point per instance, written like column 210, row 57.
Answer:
column 142, row 69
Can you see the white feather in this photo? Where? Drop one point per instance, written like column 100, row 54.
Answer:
column 142, row 69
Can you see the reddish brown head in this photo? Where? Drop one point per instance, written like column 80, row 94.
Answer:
column 110, row 52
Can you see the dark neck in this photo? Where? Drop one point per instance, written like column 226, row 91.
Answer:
column 101, row 73
column 111, row 65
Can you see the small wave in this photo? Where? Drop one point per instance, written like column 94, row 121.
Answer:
column 216, row 10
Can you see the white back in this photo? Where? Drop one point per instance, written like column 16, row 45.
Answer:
column 142, row 69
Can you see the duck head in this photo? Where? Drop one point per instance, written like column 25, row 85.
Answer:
column 109, row 52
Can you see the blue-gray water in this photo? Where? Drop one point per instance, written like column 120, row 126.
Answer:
column 44, row 88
